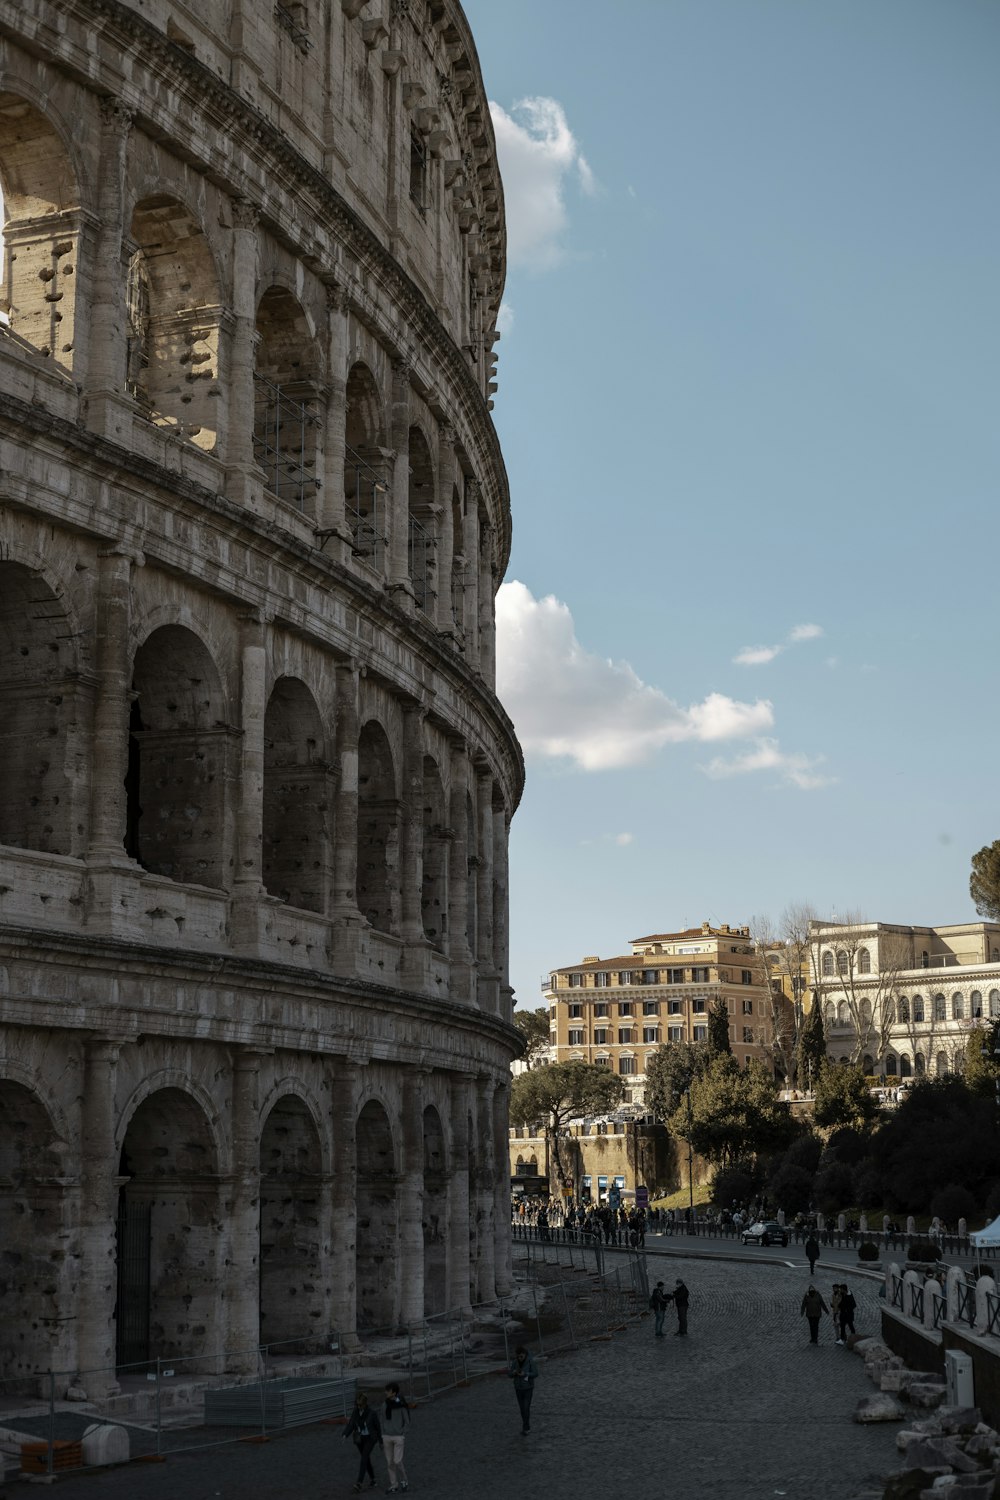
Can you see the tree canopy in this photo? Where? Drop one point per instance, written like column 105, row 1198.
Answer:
column 843, row 1097
column 718, row 1029
column 984, row 882
column 669, row 1073
column 561, row 1092
column 812, row 1045
column 534, row 1026
column 734, row 1113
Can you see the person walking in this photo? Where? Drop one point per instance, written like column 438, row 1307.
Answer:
column 811, row 1248
column 364, row 1426
column 658, row 1302
column 524, row 1374
column 395, row 1419
column 812, row 1309
column 835, row 1296
column 681, row 1298
column 848, row 1307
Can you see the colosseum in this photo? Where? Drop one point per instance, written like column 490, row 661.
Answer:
column 255, row 1018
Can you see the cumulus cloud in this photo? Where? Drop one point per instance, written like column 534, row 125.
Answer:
column 766, row 755
column 539, row 155
column 758, row 656
column 505, row 319
column 569, row 703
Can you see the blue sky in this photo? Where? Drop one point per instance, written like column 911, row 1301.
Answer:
column 748, row 401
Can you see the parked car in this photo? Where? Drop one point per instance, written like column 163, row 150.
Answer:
column 765, row 1232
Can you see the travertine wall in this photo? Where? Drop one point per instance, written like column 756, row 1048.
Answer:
column 255, row 785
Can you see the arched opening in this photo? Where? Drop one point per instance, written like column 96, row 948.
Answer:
column 918, row 1008
column 296, row 842
column 365, row 489
column 905, row 1067
column 40, row 200
column 827, row 965
column 434, row 895
column 174, row 311
column 864, row 961
column 291, row 1271
column 40, row 749
column 286, row 401
column 890, row 1066
column 377, row 1233
column 458, row 563
column 168, row 1233
column 942, row 1064
column 378, row 831
column 422, row 534
column 35, row 1300
column 435, row 1215
column 179, row 747
column 920, row 1065
column 868, row 1063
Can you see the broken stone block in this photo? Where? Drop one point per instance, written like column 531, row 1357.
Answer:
column 879, row 1408
column 926, row 1395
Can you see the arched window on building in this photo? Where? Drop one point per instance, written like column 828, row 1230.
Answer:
column 920, row 1065
column 940, row 1008
column 842, row 1013
column 378, row 831
column 296, row 844
column 942, row 1064
column 890, row 1065
column 286, row 417
column 422, row 533
column 827, row 964
column 903, row 1010
column 843, row 963
column 365, row 488
column 864, row 961
column 918, row 1008
column 994, row 1004
column 905, row 1067
column 434, row 894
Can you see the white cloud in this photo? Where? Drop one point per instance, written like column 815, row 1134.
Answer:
column 758, row 656
column 538, row 154
column 569, row 703
column 505, row 319
column 767, row 755
column 623, row 839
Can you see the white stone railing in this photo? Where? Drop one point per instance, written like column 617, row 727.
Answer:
column 924, row 1300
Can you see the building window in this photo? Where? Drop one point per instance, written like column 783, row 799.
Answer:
column 575, row 981
column 918, row 1007
column 603, row 1062
column 746, row 975
column 600, row 1036
column 575, row 1011
column 602, row 979
column 600, row 1009
column 843, row 964
column 699, row 1007
column 864, row 961
column 724, row 975
column 651, row 1033
column 890, row 1066
column 827, row 965
column 940, row 1008
column 651, row 1007
column 674, row 1007
column 575, row 1037
column 701, row 1033
column 748, row 1033
column 748, row 1007
column 675, row 976
column 650, row 976
column 418, row 169
column 624, row 1035
column 624, row 976
column 994, row 1004
column 675, row 1033
column 626, row 1065
column 626, row 1008
column 903, row 1009
column 699, row 976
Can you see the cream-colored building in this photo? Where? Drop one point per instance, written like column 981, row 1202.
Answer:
column 901, row 1000
column 617, row 1011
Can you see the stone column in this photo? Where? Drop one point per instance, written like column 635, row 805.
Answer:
column 110, row 740
column 344, row 902
column 446, row 528
column 486, row 986
column 242, row 479
column 108, row 410
column 458, row 1198
column 243, row 1277
column 501, row 1189
column 411, row 872
column 95, row 1341
column 411, row 1204
column 471, row 548
column 459, row 951
column 335, row 536
column 344, row 1085
column 398, row 567
column 484, row 1187
column 248, row 890
column 501, row 941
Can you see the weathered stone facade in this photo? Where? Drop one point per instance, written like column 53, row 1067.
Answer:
column 256, row 785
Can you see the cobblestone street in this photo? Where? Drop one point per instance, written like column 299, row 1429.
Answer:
column 744, row 1408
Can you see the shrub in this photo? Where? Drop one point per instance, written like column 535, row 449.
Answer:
column 834, row 1187
column 953, row 1203
column 736, row 1184
column 869, row 1188
column 791, row 1188
column 847, row 1145
column 805, row 1153
column 868, row 1250
column 923, row 1250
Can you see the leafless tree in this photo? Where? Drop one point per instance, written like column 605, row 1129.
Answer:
column 777, row 1026
column 856, row 965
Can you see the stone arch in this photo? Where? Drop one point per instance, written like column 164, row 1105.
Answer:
column 436, row 842
column 471, row 874
column 179, row 752
column 296, row 840
column 41, row 203
column 35, row 1285
column 174, row 312
column 291, row 1175
column 286, row 399
column 890, row 1065
column 905, row 1066
column 941, row 1064
column 422, row 535
column 458, row 560
column 365, row 489
column 435, row 1214
column 378, row 830
column 377, row 1222
column 42, row 727
column 168, row 1231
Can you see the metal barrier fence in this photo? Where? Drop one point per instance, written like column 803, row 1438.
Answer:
column 845, row 1239
column 563, row 1295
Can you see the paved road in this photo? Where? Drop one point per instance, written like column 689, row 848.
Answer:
column 744, row 1408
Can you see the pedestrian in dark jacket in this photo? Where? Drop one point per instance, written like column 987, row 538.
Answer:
column 812, row 1253
column 658, row 1303
column 395, row 1420
column 524, row 1374
column 681, row 1298
column 364, row 1426
column 848, row 1307
column 812, row 1310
